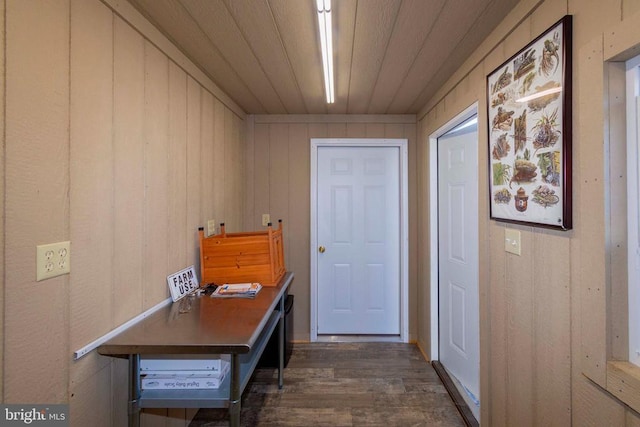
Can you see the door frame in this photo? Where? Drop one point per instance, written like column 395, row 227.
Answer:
column 433, row 221
column 402, row 144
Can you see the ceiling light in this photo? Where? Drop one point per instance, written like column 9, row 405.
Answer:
column 326, row 45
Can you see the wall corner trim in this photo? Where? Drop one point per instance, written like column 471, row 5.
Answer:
column 141, row 24
column 94, row 344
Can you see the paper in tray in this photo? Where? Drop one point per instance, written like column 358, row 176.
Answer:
column 237, row 290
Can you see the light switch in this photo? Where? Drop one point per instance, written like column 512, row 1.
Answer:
column 512, row 241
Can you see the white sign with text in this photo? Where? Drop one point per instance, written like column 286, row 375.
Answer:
column 182, row 283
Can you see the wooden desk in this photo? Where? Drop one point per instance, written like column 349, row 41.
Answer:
column 237, row 326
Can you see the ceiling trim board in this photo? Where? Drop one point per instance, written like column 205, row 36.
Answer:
column 138, row 22
column 509, row 24
column 335, row 118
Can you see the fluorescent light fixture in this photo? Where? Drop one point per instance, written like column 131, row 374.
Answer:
column 540, row 94
column 326, row 45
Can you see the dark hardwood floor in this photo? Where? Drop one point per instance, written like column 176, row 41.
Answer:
column 345, row 384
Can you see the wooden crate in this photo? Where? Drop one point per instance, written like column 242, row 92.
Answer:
column 256, row 256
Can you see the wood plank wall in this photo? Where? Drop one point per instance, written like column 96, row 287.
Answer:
column 36, row 334
column 278, row 182
column 546, row 328
column 2, row 192
column 115, row 141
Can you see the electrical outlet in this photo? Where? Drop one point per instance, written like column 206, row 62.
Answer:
column 266, row 219
column 211, row 227
column 53, row 260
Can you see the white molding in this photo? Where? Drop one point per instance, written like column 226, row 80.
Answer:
column 359, row 338
column 106, row 337
column 633, row 205
column 313, row 240
column 433, row 221
column 403, row 144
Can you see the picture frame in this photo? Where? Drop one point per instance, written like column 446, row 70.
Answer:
column 530, row 133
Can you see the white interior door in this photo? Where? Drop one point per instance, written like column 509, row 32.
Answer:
column 459, row 349
column 358, row 234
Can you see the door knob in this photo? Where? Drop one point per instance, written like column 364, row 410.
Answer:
column 321, row 249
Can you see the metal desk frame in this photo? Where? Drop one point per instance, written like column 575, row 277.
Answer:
column 240, row 327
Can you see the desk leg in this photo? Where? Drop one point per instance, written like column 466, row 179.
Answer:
column 235, row 397
column 281, row 345
column 134, row 390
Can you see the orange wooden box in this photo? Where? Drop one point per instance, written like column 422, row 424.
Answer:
column 256, row 256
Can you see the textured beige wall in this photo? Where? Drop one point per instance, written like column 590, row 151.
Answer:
column 2, row 211
column 115, row 141
column 36, row 339
column 110, row 138
column 278, row 182
column 544, row 316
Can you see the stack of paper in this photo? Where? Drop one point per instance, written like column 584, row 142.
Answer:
column 183, row 374
column 237, row 290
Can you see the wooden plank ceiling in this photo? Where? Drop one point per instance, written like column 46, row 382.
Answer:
column 390, row 56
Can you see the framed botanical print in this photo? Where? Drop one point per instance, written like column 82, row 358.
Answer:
column 529, row 132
